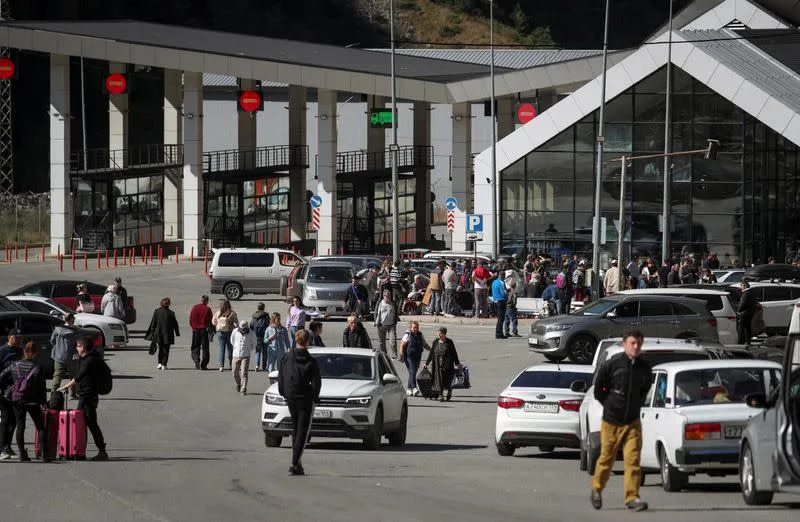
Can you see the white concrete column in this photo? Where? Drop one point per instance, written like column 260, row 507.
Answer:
column 298, row 207
column 461, row 169
column 327, row 235
column 173, row 135
column 60, row 207
column 118, row 121
column 247, row 129
column 192, row 162
column 376, row 137
column 506, row 116
column 422, row 138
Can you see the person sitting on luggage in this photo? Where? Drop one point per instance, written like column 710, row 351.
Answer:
column 444, row 357
column 28, row 393
column 90, row 368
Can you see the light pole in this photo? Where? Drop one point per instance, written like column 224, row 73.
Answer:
column 600, row 143
column 666, row 229
column 393, row 148
column 495, row 177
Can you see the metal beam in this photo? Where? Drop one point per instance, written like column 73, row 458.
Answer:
column 6, row 127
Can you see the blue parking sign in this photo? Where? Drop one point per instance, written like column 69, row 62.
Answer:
column 474, row 223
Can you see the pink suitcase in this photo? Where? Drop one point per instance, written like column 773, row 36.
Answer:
column 71, row 434
column 51, row 430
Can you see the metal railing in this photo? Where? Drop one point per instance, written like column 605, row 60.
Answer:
column 139, row 157
column 408, row 157
column 283, row 156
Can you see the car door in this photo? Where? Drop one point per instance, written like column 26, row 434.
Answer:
column 658, row 318
column 647, row 417
column 65, row 294
column 391, row 392
column 626, row 317
column 284, row 265
column 778, row 306
column 258, row 272
column 787, row 410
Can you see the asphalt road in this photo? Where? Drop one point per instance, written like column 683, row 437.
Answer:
column 185, row 446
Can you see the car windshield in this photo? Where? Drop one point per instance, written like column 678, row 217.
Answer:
column 723, row 385
column 329, row 274
column 61, row 308
column 345, row 366
column 597, row 308
column 7, row 305
column 548, row 379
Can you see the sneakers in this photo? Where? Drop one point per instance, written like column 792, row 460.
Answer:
column 244, row 392
column 10, row 451
column 417, row 393
column 163, row 366
column 23, row 457
column 296, row 470
column 597, row 499
column 222, row 368
column 160, row 367
column 196, row 365
column 408, row 393
column 238, row 388
column 5, row 455
column 258, row 369
column 101, row 456
column 636, row 504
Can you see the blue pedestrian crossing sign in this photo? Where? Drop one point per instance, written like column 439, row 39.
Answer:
column 475, row 223
column 315, row 201
column 451, row 203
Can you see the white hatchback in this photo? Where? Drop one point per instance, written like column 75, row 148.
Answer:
column 539, row 409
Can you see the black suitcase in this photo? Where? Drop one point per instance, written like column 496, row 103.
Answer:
column 425, row 384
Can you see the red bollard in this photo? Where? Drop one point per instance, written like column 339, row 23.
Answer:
column 205, row 259
column 60, row 263
column 314, row 252
column 145, row 256
column 85, row 262
column 98, row 260
column 191, row 255
column 58, row 250
column 16, row 250
column 106, row 258
column 177, row 255
column 115, row 258
column 124, row 256
column 26, row 251
column 132, row 256
column 160, row 255
column 72, row 254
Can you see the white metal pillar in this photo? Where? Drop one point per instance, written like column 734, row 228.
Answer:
column 192, row 162
column 173, row 135
column 327, row 235
column 461, row 170
column 422, row 140
column 60, row 207
column 298, row 206
column 247, row 132
column 118, row 122
column 506, row 116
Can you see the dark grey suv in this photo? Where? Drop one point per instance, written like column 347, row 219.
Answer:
column 576, row 335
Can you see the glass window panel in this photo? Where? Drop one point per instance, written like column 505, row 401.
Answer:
column 649, row 107
column 549, row 195
column 655, row 83
column 585, row 137
column 649, row 137
column 550, row 230
column 714, row 108
column 513, row 224
column 131, row 187
column 550, row 165
column 648, row 170
column 680, row 227
column 620, row 109
column 584, row 166
column 584, row 196
column 618, row 137
column 157, row 183
column 564, row 141
column 515, row 171
column 645, row 228
column 681, row 81
column 248, row 188
column 717, row 233
column 513, row 195
column 144, row 184
column 717, row 198
column 583, row 227
column 681, row 169
column 679, row 196
column 648, row 196
column 727, row 167
column 681, row 108
column 729, row 136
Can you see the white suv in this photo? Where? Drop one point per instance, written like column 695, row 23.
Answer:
column 361, row 398
column 590, row 413
column 778, row 300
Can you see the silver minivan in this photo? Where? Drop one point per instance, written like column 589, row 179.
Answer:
column 238, row 271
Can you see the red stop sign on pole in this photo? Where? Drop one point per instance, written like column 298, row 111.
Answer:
column 116, row 83
column 526, row 112
column 250, row 100
column 6, row 68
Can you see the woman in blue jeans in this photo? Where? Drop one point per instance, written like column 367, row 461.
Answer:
column 225, row 321
column 411, row 347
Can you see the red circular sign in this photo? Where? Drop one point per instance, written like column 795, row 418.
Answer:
column 6, row 68
column 250, row 100
column 526, row 112
column 116, row 83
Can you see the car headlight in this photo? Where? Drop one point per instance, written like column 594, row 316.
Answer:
column 559, row 327
column 312, row 294
column 115, row 327
column 275, row 400
column 358, row 402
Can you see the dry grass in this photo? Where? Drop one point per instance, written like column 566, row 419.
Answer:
column 425, row 21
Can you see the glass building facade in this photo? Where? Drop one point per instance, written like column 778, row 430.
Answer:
column 744, row 205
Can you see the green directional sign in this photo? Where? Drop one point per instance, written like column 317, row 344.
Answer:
column 380, row 118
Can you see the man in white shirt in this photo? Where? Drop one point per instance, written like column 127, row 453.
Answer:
column 450, row 282
column 611, row 279
column 243, row 340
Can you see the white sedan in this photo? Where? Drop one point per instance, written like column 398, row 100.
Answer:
column 361, row 398
column 539, row 408
column 695, row 413
column 114, row 332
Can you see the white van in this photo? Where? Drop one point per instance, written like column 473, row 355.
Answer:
column 238, row 271
column 719, row 304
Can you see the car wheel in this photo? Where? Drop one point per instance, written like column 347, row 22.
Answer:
column 233, row 291
column 398, row 438
column 592, row 455
column 581, row 350
column 271, row 441
column 584, row 457
column 373, row 440
column 547, row 449
column 672, row 479
column 505, row 449
column 747, row 479
column 554, row 358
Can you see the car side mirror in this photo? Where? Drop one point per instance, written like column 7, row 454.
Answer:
column 611, row 315
column 578, row 386
column 756, row 400
column 389, row 378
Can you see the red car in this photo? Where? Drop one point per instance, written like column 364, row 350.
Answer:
column 65, row 292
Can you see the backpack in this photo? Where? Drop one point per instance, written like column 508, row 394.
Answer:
column 22, row 391
column 104, row 380
column 561, row 281
column 260, row 326
column 222, row 322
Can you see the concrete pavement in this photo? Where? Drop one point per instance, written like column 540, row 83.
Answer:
column 185, row 446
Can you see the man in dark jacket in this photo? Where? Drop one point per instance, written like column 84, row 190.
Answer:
column 90, row 370
column 9, row 353
column 63, row 340
column 200, row 322
column 163, row 330
column 621, row 386
column 357, row 301
column 744, row 314
column 299, row 383
column 355, row 335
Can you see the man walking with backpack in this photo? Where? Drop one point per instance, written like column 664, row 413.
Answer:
column 63, row 340
column 92, row 380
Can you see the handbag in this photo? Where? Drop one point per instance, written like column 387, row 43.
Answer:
column 461, row 378
column 153, row 347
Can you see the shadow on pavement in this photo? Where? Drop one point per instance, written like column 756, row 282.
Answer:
column 131, row 377
column 132, row 399
column 553, row 455
column 160, row 459
column 773, row 507
column 418, row 447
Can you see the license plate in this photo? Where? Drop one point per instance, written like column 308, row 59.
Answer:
column 733, row 432
column 322, row 414
column 533, row 341
column 541, row 407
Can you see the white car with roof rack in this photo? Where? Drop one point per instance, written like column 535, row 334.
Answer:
column 694, row 415
column 362, row 397
column 539, row 409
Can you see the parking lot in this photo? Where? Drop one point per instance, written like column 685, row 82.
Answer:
column 185, row 446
